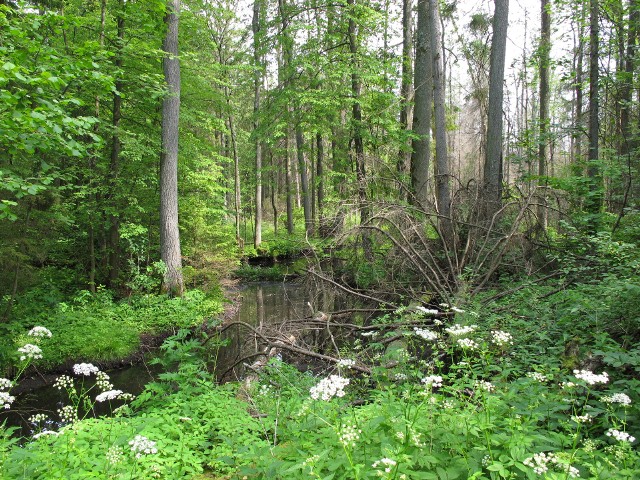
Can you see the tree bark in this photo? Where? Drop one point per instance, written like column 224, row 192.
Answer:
column 404, row 155
column 421, row 146
column 256, row 109
column 594, row 198
column 169, row 233
column 493, row 158
column 304, row 181
column 544, row 49
column 443, row 196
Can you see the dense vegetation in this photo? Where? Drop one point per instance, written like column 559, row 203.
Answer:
column 493, row 231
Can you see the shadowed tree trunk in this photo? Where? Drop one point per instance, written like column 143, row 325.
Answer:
column 544, row 50
column 169, row 233
column 594, row 197
column 423, row 86
column 256, row 109
column 404, row 155
column 493, row 158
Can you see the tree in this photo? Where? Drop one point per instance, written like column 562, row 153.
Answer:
column 256, row 108
column 594, row 197
column 404, row 155
column 420, row 157
column 443, row 196
column 493, row 158
column 169, row 233
column 544, row 50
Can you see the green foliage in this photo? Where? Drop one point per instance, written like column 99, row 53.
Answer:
column 97, row 328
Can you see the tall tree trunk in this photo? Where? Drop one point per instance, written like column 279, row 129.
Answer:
column 493, row 159
column 256, row 110
column 304, row 181
column 579, row 90
column 320, row 176
column 169, row 233
column 113, row 238
column 404, row 155
column 443, row 196
column 288, row 184
column 594, row 198
column 544, row 49
column 358, row 143
column 421, row 154
column 627, row 143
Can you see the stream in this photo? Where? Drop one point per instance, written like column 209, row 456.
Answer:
column 264, row 303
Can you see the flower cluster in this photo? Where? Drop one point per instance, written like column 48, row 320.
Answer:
column 349, row 435
column 30, row 351
column 5, row 384
column 37, row 418
column 115, row 454
column 63, row 381
column 538, row 377
column 591, row 378
column 501, row 339
column 467, row 343
column 40, row 332
column 426, row 311
column 620, row 436
column 346, row 362
column 386, row 463
column 86, row 369
column 621, row 398
column 371, row 333
column 459, row 330
column 327, row 388
column 68, row 414
column 484, row 385
column 400, row 376
column 433, row 381
column 102, row 381
column 141, row 445
column 44, row 433
column 109, row 395
column 425, row 333
column 540, row 463
column 457, row 310
column 6, row 400
column 586, row 418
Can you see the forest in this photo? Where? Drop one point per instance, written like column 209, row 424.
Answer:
column 452, row 185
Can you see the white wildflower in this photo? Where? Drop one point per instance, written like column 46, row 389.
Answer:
column 621, row 398
column 385, row 463
column 433, row 381
column 459, row 330
column 102, row 381
column 484, row 385
column 6, row 400
column 346, row 362
column 63, row 381
column 467, row 343
column 115, row 454
column 330, row 387
column 141, row 445
column 501, row 339
column 37, row 418
column 541, row 462
column 586, row 418
column 457, row 310
column 85, row 369
column 109, row 395
column 5, row 384
column 591, row 378
column 39, row 332
column 426, row 311
column 68, row 414
column 45, row 433
column 400, row 376
column 370, row 333
column 349, row 435
column 620, row 436
column 425, row 333
column 538, row 377
column 30, row 351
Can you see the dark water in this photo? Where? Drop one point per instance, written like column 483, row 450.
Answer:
column 46, row 399
column 274, row 305
column 264, row 304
